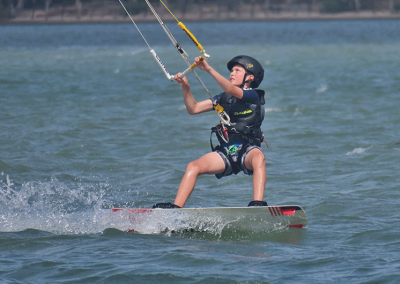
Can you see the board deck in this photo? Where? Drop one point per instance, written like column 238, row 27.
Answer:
column 215, row 220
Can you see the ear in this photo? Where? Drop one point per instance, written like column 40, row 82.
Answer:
column 250, row 77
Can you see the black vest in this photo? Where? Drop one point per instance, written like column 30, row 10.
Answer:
column 245, row 117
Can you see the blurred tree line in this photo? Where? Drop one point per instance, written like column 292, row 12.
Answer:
column 337, row 6
column 10, row 8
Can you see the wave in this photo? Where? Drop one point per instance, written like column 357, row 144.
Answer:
column 358, row 151
column 322, row 89
column 273, row 109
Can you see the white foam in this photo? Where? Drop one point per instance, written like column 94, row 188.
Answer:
column 358, row 151
column 273, row 109
column 298, row 111
column 182, row 107
column 322, row 89
column 54, row 207
column 165, row 221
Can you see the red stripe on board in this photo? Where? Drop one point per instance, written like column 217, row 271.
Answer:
column 300, row 226
column 132, row 210
column 277, row 211
column 139, row 210
column 290, row 211
column 270, row 211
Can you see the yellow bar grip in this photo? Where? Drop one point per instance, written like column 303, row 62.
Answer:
column 199, row 46
column 184, row 73
column 218, row 108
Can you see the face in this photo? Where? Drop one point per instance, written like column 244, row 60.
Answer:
column 237, row 74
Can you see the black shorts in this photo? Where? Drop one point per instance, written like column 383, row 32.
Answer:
column 234, row 160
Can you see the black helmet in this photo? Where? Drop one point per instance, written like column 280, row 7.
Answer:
column 250, row 65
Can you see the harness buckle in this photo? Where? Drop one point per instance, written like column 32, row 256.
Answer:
column 222, row 133
column 233, row 148
column 225, row 130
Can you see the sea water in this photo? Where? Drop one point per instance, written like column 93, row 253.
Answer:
column 88, row 122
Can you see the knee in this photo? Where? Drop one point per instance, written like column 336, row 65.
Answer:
column 193, row 168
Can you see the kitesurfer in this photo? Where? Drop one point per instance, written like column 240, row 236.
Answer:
column 240, row 142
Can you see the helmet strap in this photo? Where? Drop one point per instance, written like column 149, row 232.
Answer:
column 244, row 79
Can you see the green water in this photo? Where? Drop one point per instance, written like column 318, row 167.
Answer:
column 88, row 122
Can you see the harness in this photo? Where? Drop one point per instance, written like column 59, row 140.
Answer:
column 246, row 120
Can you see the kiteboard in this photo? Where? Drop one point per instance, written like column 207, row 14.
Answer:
column 217, row 220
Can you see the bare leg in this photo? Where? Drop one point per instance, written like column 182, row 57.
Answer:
column 210, row 163
column 255, row 161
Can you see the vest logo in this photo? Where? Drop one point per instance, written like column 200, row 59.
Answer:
column 243, row 112
column 249, row 65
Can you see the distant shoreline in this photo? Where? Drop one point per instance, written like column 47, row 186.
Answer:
column 39, row 17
